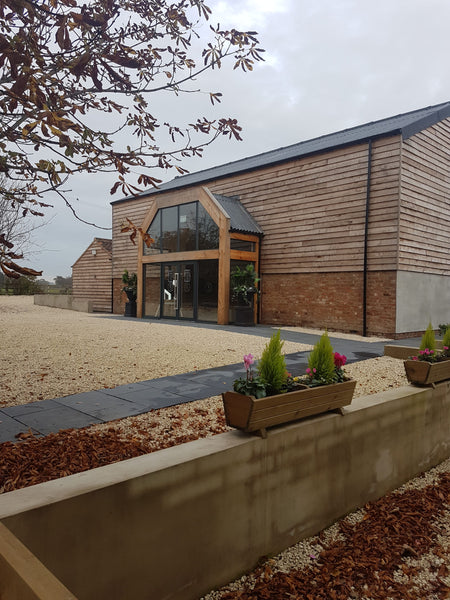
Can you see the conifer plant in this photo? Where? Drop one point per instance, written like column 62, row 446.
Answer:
column 321, row 366
column 272, row 365
column 428, row 340
column 446, row 338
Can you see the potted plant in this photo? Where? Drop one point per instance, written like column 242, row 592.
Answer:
column 273, row 396
column 130, row 288
column 243, row 287
column 430, row 366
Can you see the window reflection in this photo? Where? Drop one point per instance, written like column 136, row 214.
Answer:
column 182, row 228
column 155, row 232
column 187, row 227
column 169, row 229
column 152, row 276
column 208, row 232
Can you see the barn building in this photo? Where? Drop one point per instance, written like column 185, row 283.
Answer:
column 348, row 231
column 91, row 275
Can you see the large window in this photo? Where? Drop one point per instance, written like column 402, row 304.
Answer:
column 182, row 228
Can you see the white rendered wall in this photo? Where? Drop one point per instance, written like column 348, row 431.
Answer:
column 421, row 298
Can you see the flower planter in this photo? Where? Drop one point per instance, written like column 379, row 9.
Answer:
column 130, row 309
column 256, row 414
column 421, row 372
column 243, row 316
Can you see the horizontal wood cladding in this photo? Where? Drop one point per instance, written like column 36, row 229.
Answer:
column 312, row 210
column 125, row 253
column 91, row 277
column 424, row 229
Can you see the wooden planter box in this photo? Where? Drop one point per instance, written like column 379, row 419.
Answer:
column 404, row 352
column 256, row 414
column 421, row 372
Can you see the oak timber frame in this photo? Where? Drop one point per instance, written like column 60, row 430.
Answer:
column 223, row 254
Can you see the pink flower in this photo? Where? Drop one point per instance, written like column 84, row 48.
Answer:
column 339, row 360
column 445, row 348
column 415, row 358
column 249, row 359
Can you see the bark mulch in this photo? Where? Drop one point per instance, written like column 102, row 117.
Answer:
column 35, row 460
column 395, row 552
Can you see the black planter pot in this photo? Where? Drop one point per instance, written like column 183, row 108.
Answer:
column 130, row 309
column 243, row 316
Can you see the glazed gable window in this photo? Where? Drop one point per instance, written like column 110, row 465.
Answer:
column 182, row 228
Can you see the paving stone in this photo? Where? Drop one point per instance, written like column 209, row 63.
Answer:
column 129, row 387
column 102, row 406
column 152, row 398
column 9, row 428
column 25, row 409
column 54, row 419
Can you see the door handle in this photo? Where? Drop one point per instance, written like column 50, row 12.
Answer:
column 176, row 291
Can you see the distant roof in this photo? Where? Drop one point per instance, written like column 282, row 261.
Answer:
column 240, row 220
column 406, row 125
column 107, row 244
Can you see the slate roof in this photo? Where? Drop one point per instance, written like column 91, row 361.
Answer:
column 240, row 220
column 106, row 243
column 406, row 125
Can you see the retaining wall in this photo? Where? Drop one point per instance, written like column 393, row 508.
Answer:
column 64, row 301
column 179, row 522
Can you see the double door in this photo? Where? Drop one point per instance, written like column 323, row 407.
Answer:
column 179, row 290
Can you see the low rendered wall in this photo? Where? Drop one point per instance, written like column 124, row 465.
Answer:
column 23, row 576
column 64, row 301
column 179, row 522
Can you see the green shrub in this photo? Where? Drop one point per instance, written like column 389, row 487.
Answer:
column 321, row 361
column 272, row 365
column 428, row 339
column 443, row 327
column 446, row 338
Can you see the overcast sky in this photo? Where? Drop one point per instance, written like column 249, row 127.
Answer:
column 330, row 64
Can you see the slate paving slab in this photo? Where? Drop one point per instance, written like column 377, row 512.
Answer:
column 100, row 405
column 151, row 398
column 54, row 419
column 25, row 409
column 10, row 428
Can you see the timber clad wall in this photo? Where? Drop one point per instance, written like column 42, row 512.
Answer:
column 91, row 275
column 125, row 253
column 313, row 212
column 425, row 206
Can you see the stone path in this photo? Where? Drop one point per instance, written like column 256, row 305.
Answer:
column 100, row 406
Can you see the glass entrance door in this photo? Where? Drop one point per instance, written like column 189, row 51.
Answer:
column 179, row 291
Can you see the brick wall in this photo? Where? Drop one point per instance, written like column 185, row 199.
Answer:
column 381, row 303
column 332, row 300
